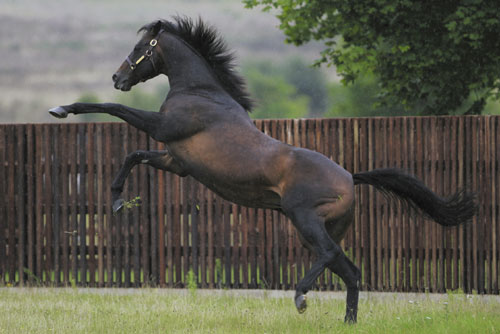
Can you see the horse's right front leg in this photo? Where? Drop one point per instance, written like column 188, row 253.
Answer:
column 157, row 159
column 147, row 121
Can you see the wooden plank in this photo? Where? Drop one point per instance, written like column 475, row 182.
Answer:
column 121, row 142
column 11, row 205
column 48, row 230
column 495, row 193
column 487, row 221
column 440, row 189
column 252, row 248
column 21, row 207
column 162, row 212
column 460, row 184
column 56, row 180
column 277, row 236
column 466, row 181
column 211, row 240
column 3, row 204
column 268, row 236
column 47, row 201
column 371, row 208
column 30, row 196
column 100, row 204
column 236, row 245
column 72, row 231
column 454, row 157
column 39, row 201
column 184, row 229
column 195, row 229
column 136, row 185
column 202, row 225
column 91, row 204
column 244, row 247
column 475, row 226
column 107, row 158
column 156, row 220
column 480, row 237
column 447, row 190
column 82, row 194
column 143, row 228
column 379, row 127
column 176, row 230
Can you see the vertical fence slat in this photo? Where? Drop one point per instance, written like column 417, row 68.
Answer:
column 91, row 204
column 82, row 194
column 3, row 204
column 21, row 207
column 108, row 228
column 100, row 204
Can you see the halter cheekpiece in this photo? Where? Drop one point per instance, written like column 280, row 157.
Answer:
column 147, row 54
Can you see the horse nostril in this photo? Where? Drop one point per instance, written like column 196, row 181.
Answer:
column 115, row 77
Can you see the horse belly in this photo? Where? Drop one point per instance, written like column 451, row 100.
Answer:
column 254, row 197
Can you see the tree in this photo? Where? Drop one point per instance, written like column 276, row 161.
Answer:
column 359, row 100
column 429, row 56
column 275, row 97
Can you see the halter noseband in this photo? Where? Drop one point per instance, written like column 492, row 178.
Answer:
column 147, row 55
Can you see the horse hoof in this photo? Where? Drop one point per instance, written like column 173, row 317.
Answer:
column 118, row 205
column 58, row 112
column 300, row 303
column 351, row 317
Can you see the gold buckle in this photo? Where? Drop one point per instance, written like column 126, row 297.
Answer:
column 139, row 60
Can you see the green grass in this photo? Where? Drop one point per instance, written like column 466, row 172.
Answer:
column 160, row 311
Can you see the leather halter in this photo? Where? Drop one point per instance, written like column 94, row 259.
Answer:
column 148, row 55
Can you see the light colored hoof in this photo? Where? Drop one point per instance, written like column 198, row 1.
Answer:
column 58, row 112
column 300, row 303
column 118, row 205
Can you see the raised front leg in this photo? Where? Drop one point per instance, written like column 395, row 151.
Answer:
column 147, row 121
column 157, row 159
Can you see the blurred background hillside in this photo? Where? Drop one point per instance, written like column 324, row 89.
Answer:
column 56, row 52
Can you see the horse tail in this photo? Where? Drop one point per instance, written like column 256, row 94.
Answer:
column 395, row 184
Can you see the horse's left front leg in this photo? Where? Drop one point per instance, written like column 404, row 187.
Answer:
column 147, row 121
column 157, row 159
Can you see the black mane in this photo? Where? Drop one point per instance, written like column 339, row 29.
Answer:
column 207, row 42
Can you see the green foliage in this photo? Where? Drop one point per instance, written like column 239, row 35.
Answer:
column 141, row 99
column 275, row 97
column 308, row 81
column 191, row 281
column 430, row 56
column 359, row 100
column 287, row 90
column 134, row 202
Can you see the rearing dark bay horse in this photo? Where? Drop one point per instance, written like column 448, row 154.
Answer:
column 208, row 134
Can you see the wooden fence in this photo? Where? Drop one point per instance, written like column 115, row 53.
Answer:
column 57, row 228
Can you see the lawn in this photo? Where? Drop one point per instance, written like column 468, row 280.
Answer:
column 164, row 311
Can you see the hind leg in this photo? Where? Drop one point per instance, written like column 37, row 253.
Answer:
column 314, row 235
column 309, row 213
column 344, row 268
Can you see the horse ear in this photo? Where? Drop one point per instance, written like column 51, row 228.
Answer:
column 156, row 28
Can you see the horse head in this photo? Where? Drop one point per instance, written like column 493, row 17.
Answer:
column 143, row 62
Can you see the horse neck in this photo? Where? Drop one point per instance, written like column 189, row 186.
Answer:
column 185, row 68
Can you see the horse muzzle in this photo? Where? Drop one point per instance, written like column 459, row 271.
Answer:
column 122, row 84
